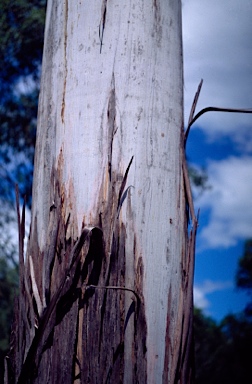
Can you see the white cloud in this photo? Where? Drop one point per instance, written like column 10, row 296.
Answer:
column 229, row 201
column 218, row 48
column 201, row 291
column 200, row 300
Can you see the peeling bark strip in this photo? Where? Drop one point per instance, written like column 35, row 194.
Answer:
column 185, row 359
column 25, row 297
column 49, row 319
column 185, row 365
column 121, row 197
column 107, row 318
column 78, row 281
column 21, row 235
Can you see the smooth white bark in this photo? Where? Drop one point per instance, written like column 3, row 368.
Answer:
column 103, row 103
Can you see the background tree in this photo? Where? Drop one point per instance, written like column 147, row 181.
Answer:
column 21, row 37
column 223, row 352
column 8, row 289
column 209, row 342
column 21, row 42
column 244, row 274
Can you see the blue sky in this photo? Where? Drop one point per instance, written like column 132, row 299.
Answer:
column 217, row 40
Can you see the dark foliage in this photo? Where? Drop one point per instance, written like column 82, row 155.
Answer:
column 223, row 352
column 8, row 290
column 209, row 342
column 21, row 44
column 21, row 36
column 244, row 273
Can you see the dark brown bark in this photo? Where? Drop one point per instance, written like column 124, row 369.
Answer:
column 80, row 334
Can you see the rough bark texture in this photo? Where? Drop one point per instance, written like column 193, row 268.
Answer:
column 106, row 289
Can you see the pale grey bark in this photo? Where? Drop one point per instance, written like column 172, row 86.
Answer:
column 109, row 203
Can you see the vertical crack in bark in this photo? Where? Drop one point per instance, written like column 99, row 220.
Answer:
column 102, row 22
column 65, row 62
column 140, row 328
column 90, row 275
column 112, row 128
column 158, row 31
column 168, row 353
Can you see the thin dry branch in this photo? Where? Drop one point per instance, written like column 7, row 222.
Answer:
column 191, row 121
column 217, row 109
column 193, row 118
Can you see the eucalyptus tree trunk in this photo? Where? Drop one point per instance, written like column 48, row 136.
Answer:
column 106, row 287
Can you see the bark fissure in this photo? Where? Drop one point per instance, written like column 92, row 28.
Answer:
column 168, row 352
column 157, row 27
column 102, row 22
column 63, row 103
column 112, row 128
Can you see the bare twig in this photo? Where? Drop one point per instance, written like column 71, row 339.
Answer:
column 193, row 118
column 191, row 121
column 217, row 109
